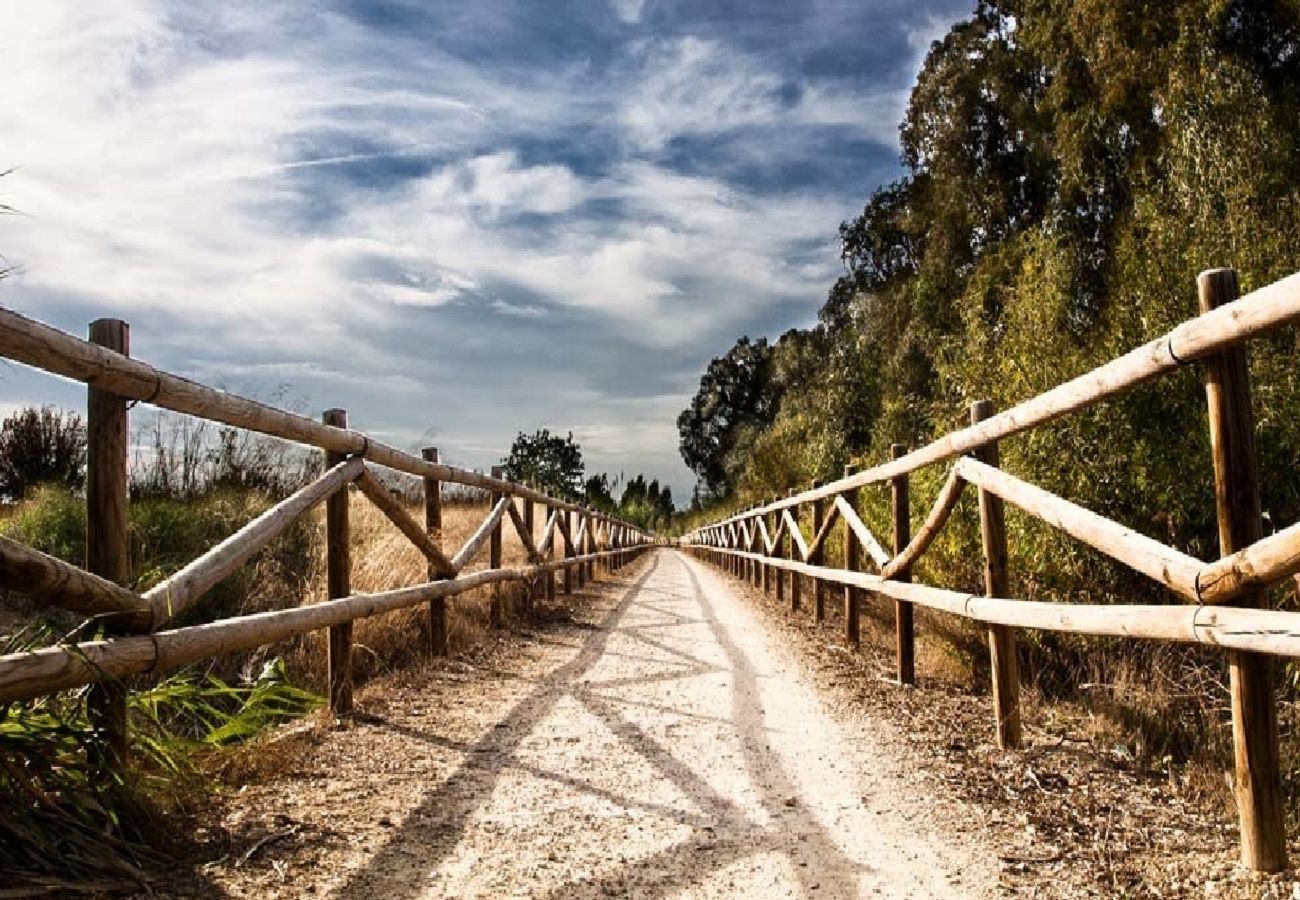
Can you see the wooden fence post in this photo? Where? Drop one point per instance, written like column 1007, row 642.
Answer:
column 748, row 569
column 904, row 615
column 1236, row 494
column 338, row 570
column 818, row 586
column 793, row 548
column 433, row 524
column 778, row 551
column 1002, row 638
column 494, row 551
column 851, row 562
column 590, row 565
column 530, row 589
column 556, row 541
column 766, row 568
column 567, row 517
column 107, row 534
column 584, row 569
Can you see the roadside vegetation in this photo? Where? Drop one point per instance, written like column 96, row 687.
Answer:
column 1068, row 169
column 70, row 827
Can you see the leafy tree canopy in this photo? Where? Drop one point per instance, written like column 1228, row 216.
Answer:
column 552, row 463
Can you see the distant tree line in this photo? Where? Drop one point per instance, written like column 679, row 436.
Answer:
column 554, row 464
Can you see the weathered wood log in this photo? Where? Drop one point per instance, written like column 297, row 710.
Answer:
column 180, row 590
column 113, row 372
column 865, row 538
column 570, row 551
column 39, row 672
column 579, row 547
column 548, row 534
column 1176, row 571
column 1273, row 632
column 524, row 528
column 848, row 500
column 495, row 606
column 480, row 536
column 589, row 547
column 901, row 568
column 796, row 535
column 944, row 504
column 1236, row 494
column 338, row 577
column 438, row 645
column 1263, row 563
column 817, row 555
column 107, row 531
column 384, row 501
column 553, row 528
column 53, row 581
column 777, row 551
column 1260, row 311
column 823, row 525
column 1002, row 639
column 794, row 545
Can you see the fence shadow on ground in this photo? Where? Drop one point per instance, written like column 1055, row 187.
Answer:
column 722, row 832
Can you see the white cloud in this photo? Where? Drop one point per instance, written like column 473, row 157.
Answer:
column 628, row 10
column 233, row 165
column 691, row 86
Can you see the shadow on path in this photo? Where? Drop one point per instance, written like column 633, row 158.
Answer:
column 722, row 832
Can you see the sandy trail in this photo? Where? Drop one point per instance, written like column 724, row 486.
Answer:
column 668, row 747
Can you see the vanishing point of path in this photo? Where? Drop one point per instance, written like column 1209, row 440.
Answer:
column 661, row 744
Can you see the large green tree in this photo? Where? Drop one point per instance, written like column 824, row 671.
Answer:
column 549, row 461
column 736, row 398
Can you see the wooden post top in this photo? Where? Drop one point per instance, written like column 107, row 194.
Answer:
column 115, row 334
column 431, row 454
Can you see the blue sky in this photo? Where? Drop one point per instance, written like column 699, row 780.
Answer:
column 457, row 221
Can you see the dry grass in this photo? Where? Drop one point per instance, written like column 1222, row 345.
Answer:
column 383, row 559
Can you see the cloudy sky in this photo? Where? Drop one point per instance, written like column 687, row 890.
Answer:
column 456, row 220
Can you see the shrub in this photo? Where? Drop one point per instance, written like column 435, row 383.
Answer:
column 41, row 446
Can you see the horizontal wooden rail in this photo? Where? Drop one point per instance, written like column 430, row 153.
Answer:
column 1257, row 630
column 1256, row 313
column 1262, row 564
column 37, row 344
column 39, row 672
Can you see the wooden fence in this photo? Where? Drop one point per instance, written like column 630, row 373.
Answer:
column 765, row 544
column 139, row 641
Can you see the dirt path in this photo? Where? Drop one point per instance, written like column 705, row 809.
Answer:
column 664, row 745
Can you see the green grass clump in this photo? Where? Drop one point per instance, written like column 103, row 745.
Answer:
column 66, row 821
